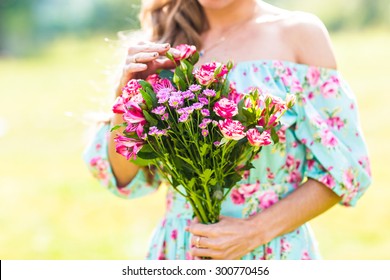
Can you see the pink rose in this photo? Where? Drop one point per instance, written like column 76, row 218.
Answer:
column 267, row 198
column 225, row 108
column 248, row 189
column 185, row 51
column 330, row 87
column 286, row 246
column 313, row 75
column 128, row 147
column 305, row 255
column 256, row 139
column 328, row 139
column 237, row 197
column 232, row 129
column 335, row 122
column 328, row 180
column 130, row 89
column 206, row 74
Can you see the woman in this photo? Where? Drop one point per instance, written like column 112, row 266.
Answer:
column 321, row 160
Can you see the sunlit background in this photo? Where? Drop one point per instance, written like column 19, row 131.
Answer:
column 54, row 68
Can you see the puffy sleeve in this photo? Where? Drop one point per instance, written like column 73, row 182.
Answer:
column 328, row 125
column 96, row 158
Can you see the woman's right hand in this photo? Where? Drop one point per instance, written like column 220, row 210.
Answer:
column 143, row 60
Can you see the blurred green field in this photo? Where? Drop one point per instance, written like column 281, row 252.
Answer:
column 51, row 207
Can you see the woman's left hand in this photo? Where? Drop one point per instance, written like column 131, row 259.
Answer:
column 229, row 239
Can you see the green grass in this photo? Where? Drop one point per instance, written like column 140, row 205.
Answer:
column 51, row 207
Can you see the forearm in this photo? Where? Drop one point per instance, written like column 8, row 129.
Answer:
column 308, row 201
column 124, row 171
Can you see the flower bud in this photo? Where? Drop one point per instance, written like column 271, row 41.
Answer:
column 176, row 79
column 229, row 65
column 183, row 66
column 218, row 195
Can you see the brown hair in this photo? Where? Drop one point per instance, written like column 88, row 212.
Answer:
column 174, row 21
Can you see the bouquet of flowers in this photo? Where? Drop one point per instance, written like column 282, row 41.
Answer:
column 198, row 131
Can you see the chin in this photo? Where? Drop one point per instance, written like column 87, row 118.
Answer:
column 216, row 4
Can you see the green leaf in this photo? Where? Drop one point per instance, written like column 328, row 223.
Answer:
column 147, row 155
column 117, row 126
column 204, row 149
column 274, row 136
column 191, row 183
column 152, row 121
column 166, row 74
column 194, row 58
column 148, row 99
column 232, row 180
column 205, row 176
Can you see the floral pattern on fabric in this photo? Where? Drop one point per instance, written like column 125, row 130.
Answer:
column 321, row 139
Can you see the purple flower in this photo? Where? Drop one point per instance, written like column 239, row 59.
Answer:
column 188, row 95
column 153, row 130
column 163, row 95
column 217, row 143
column 184, row 117
column 204, row 123
column 205, row 112
column 160, row 110
column 175, row 101
column 203, row 100
column 165, row 117
column 209, row 92
column 205, row 132
column 195, row 87
column 197, row 105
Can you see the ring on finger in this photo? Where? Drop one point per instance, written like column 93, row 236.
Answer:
column 197, row 242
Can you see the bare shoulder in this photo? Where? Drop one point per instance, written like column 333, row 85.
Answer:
column 310, row 39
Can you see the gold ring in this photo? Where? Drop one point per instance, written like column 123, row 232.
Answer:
column 197, row 245
column 134, row 59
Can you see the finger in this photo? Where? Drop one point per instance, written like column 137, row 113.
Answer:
column 160, row 48
column 205, row 242
column 142, row 57
column 135, row 67
column 202, row 252
column 201, row 230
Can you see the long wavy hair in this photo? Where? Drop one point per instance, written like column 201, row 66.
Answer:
column 174, row 21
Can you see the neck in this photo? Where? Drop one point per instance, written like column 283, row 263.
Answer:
column 223, row 18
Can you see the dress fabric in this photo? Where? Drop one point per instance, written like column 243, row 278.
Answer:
column 321, row 139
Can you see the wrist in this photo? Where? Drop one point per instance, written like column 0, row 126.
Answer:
column 259, row 230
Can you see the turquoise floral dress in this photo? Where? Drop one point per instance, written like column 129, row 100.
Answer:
column 321, row 139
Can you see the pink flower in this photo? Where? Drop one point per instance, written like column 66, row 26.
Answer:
column 131, row 88
column 128, row 147
column 185, row 51
column 290, row 160
column 119, row 106
column 225, row 108
column 328, row 180
column 335, row 122
column 282, row 134
column 305, row 255
column 237, row 197
column 267, row 198
column 256, row 139
column 174, row 234
column 330, row 87
column 313, row 76
column 207, row 74
column 232, row 129
column 153, row 79
column 134, row 113
column 348, row 179
column 328, row 139
column 248, row 189
column 233, row 94
column 286, row 246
